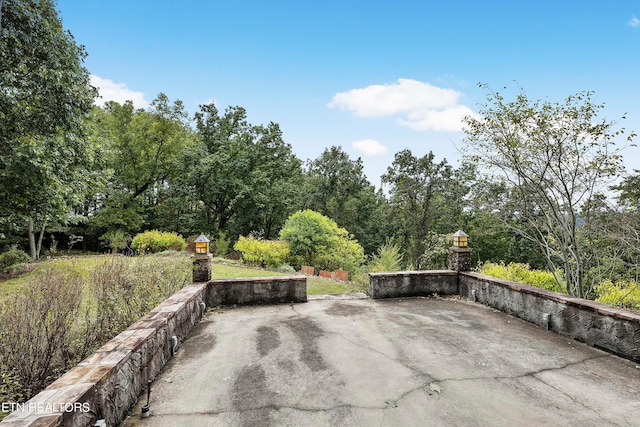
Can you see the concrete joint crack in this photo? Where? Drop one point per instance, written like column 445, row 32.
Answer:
column 386, row 356
column 293, row 307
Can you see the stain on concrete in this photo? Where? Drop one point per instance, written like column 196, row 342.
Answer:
column 268, row 340
column 252, row 397
column 346, row 310
column 202, row 345
column 201, row 341
column 308, row 333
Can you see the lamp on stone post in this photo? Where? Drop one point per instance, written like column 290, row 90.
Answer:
column 201, row 260
column 460, row 253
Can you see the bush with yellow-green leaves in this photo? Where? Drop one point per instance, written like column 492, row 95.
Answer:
column 157, row 241
column 620, row 294
column 521, row 273
column 265, row 253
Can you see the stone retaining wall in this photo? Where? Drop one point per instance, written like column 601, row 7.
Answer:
column 603, row 326
column 108, row 383
column 413, row 283
column 259, row 290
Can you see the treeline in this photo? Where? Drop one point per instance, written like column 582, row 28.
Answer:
column 137, row 170
column 541, row 183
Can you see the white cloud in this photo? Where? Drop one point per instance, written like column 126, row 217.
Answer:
column 449, row 119
column 118, row 92
column 421, row 105
column 370, row 147
column 634, row 22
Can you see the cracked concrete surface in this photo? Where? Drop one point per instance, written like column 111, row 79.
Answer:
column 361, row 362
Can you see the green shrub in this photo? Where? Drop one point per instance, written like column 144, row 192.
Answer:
column 620, row 294
column 64, row 313
column 157, row 241
column 265, row 253
column 125, row 289
column 388, row 259
column 116, row 240
column 522, row 273
column 12, row 257
column 317, row 241
column 221, row 245
column 360, row 280
column 286, row 268
column 36, row 326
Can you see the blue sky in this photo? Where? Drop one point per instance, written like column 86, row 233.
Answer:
column 374, row 77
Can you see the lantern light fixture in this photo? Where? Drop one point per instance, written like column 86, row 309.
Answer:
column 460, row 239
column 202, row 245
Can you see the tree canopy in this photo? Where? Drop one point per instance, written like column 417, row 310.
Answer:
column 553, row 159
column 45, row 95
column 317, row 240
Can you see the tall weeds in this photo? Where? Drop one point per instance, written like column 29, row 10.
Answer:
column 63, row 315
column 35, row 329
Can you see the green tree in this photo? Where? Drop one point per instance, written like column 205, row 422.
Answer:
column 552, row 159
column 426, row 198
column 317, row 240
column 491, row 239
column 142, row 152
column 336, row 186
column 45, row 95
column 245, row 176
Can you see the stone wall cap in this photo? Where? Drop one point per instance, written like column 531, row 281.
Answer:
column 416, row 272
column 260, row 279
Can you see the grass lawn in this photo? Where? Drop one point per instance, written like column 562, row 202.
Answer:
column 82, row 264
column 315, row 285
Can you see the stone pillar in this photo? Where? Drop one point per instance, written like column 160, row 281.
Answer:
column 459, row 259
column 201, row 268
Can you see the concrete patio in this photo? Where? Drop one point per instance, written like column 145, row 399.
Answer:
column 352, row 361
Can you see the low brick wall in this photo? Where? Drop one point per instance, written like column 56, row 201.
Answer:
column 599, row 325
column 413, row 283
column 262, row 290
column 109, row 382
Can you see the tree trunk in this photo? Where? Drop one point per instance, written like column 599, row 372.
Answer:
column 32, row 239
column 34, row 249
column 39, row 247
